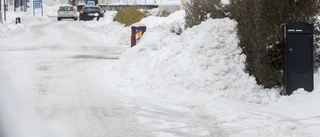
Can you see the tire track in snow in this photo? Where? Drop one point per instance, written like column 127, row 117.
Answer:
column 285, row 123
column 163, row 120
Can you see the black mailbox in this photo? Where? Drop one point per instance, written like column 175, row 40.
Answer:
column 298, row 69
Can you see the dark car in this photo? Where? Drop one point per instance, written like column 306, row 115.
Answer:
column 91, row 12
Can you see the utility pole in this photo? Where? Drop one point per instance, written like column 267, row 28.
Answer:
column 5, row 9
column 1, row 12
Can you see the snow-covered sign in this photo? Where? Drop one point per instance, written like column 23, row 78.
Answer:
column 37, row 4
column 91, row 3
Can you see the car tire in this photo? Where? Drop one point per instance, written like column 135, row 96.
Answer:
column 59, row 19
column 75, row 19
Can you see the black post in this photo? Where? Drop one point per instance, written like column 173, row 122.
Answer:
column 298, row 57
column 33, row 8
column 14, row 5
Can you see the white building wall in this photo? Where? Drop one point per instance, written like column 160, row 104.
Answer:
column 64, row 1
column 55, row 2
column 48, row 2
column 171, row 6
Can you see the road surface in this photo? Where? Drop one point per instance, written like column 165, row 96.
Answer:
column 66, row 78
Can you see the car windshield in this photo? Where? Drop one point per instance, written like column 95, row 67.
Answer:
column 91, row 9
column 67, row 8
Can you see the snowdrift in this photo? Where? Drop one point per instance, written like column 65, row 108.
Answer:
column 205, row 58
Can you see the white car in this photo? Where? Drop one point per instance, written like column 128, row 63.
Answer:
column 67, row 12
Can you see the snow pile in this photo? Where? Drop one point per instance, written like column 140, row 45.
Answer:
column 176, row 18
column 9, row 28
column 205, row 58
column 116, row 34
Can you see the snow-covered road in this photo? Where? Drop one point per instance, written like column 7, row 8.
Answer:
column 67, row 77
column 54, row 69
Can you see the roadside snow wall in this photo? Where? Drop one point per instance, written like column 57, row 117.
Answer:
column 205, row 58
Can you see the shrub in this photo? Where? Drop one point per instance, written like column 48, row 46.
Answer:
column 261, row 35
column 130, row 15
column 176, row 28
column 259, row 30
column 199, row 10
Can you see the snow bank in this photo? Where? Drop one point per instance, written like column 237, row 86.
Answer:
column 176, row 18
column 205, row 58
column 116, row 34
column 9, row 28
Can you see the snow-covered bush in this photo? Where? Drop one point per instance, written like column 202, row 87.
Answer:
column 130, row 15
column 176, row 28
column 163, row 13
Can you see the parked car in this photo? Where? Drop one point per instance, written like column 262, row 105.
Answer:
column 67, row 12
column 91, row 12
